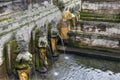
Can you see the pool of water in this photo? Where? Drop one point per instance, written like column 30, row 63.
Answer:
column 83, row 68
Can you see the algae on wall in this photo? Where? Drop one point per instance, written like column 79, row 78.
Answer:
column 10, row 57
column 37, row 60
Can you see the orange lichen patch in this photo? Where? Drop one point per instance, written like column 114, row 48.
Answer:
column 63, row 32
column 74, row 22
column 64, row 27
column 78, row 17
column 53, row 43
column 67, row 15
column 24, row 74
column 43, row 55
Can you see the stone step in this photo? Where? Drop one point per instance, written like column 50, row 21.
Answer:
column 91, row 53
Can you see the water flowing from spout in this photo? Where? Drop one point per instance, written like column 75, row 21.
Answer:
column 55, row 73
column 34, row 71
column 65, row 56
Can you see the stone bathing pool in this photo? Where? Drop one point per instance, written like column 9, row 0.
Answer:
column 83, row 68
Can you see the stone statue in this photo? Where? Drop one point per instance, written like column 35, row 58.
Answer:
column 23, row 60
column 54, row 35
column 54, row 30
column 42, row 44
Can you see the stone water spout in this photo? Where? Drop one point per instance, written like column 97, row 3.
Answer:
column 23, row 60
column 54, row 36
column 54, row 30
column 64, row 28
column 42, row 44
column 68, row 22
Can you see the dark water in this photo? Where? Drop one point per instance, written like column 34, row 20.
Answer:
column 83, row 68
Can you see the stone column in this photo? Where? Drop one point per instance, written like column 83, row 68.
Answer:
column 3, row 75
column 3, row 39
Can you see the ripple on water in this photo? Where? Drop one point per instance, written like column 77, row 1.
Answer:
column 71, row 70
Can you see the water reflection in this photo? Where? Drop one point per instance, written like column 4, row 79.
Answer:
column 83, row 68
column 99, row 64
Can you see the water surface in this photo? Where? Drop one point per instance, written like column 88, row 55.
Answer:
column 83, row 68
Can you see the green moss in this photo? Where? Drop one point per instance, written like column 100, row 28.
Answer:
column 13, row 44
column 5, row 19
column 37, row 61
column 99, row 17
column 73, row 43
column 32, row 42
column 21, row 66
column 10, row 65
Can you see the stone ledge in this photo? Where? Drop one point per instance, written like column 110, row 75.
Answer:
column 91, row 53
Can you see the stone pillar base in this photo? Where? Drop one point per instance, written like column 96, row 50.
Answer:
column 3, row 73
